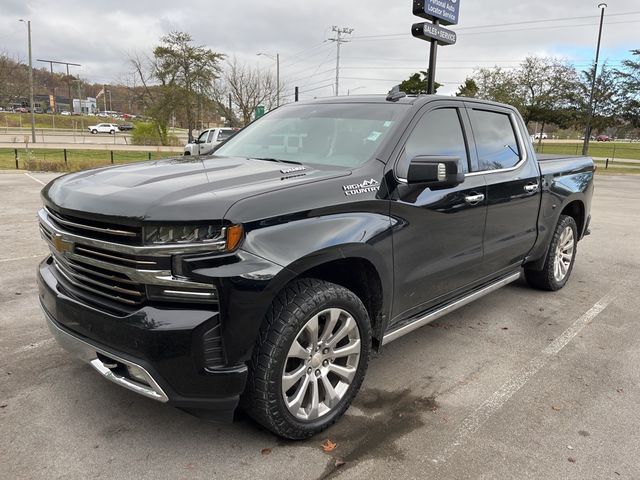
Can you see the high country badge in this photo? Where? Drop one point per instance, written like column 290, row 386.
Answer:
column 367, row 186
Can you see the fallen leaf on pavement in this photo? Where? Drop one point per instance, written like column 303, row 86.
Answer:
column 339, row 462
column 265, row 451
column 556, row 408
column 329, row 446
column 571, row 459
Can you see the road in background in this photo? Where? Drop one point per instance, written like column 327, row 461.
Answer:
column 520, row 384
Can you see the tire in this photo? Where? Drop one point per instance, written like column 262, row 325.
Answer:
column 112, row 132
column 187, row 153
column 560, row 259
column 94, row 131
column 301, row 305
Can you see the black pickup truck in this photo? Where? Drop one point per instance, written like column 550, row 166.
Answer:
column 265, row 274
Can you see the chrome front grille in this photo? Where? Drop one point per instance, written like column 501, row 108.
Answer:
column 115, row 276
column 95, row 229
column 90, row 280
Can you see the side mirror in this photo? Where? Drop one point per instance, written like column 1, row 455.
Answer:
column 435, row 172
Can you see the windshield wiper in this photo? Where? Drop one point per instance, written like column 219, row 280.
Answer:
column 277, row 160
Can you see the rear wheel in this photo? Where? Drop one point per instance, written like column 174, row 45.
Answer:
column 310, row 360
column 94, row 131
column 560, row 257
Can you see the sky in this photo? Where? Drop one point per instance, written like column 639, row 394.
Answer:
column 381, row 53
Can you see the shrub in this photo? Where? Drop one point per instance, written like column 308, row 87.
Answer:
column 146, row 133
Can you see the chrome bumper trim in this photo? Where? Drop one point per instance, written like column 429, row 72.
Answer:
column 442, row 311
column 88, row 353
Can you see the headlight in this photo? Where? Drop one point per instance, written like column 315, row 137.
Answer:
column 220, row 238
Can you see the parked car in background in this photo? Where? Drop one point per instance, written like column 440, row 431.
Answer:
column 208, row 139
column 537, row 136
column 126, row 127
column 111, row 128
column 65, row 113
column 604, row 138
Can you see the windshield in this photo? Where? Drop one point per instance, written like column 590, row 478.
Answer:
column 344, row 134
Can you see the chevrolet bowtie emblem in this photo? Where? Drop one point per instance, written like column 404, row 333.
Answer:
column 60, row 244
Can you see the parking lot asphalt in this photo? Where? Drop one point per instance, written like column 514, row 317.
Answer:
column 520, row 384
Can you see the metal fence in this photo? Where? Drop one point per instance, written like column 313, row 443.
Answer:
column 60, row 160
column 604, row 150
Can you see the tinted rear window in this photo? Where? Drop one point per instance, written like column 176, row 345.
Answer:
column 496, row 140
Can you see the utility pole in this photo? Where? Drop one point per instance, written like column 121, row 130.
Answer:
column 31, row 102
column 81, row 110
column 587, row 131
column 277, row 60
column 339, row 40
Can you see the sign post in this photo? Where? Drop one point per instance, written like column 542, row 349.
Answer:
column 445, row 12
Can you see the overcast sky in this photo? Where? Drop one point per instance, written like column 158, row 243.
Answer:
column 100, row 35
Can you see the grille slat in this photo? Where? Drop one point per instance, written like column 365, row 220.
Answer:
column 78, row 284
column 91, row 228
column 83, row 278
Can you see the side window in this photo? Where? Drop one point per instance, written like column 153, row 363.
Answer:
column 210, row 138
column 495, row 140
column 203, row 137
column 439, row 132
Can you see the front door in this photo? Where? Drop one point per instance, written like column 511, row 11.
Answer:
column 438, row 241
column 205, row 142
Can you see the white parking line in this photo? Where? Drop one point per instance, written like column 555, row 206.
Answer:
column 484, row 412
column 34, row 178
column 15, row 259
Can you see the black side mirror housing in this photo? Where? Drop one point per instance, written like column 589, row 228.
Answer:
column 435, row 172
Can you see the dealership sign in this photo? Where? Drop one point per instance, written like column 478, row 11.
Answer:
column 445, row 11
column 429, row 31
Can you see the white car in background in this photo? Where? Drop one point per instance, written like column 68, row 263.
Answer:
column 110, row 128
column 208, row 139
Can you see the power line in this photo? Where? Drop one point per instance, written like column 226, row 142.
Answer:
column 527, row 22
column 466, row 34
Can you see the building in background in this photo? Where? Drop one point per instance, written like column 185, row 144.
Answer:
column 89, row 106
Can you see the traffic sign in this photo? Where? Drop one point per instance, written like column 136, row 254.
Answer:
column 259, row 111
column 429, row 31
column 446, row 11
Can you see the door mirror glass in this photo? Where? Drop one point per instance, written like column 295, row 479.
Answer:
column 435, row 172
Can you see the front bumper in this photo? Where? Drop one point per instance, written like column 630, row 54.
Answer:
column 155, row 351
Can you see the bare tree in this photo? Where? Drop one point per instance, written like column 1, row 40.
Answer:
column 14, row 82
column 249, row 87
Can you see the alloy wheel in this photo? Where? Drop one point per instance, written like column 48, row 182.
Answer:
column 564, row 254
column 321, row 364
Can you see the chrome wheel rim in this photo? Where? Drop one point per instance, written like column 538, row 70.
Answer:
column 564, row 254
column 321, row 364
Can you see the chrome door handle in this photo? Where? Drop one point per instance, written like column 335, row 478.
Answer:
column 531, row 188
column 474, row 199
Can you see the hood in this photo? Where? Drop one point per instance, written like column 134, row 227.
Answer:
column 179, row 189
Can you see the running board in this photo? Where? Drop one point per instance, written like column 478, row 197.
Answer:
column 442, row 311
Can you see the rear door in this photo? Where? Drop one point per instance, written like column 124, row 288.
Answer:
column 512, row 177
column 438, row 242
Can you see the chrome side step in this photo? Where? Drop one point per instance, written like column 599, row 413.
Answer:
column 442, row 311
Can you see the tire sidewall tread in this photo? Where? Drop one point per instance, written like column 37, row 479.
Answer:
column 290, row 310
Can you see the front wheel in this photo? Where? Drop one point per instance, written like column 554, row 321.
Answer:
column 94, row 131
column 310, row 359
column 560, row 258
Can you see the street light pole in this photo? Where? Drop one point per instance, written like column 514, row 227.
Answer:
column 587, row 132
column 277, row 60
column 31, row 102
